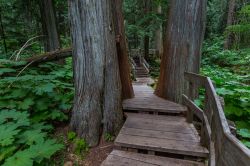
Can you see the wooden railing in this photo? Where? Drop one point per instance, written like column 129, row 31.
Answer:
column 133, row 65
column 145, row 64
column 225, row 149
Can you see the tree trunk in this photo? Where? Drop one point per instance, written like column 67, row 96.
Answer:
column 147, row 6
column 158, row 36
column 48, row 20
column 122, row 50
column 3, row 32
column 113, row 114
column 182, row 49
column 96, row 70
column 230, row 21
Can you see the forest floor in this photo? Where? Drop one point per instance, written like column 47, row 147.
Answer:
column 93, row 157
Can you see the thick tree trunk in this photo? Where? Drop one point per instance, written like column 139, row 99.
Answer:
column 182, row 48
column 112, row 102
column 122, row 50
column 146, row 48
column 48, row 20
column 96, row 70
column 3, row 32
column 158, row 36
column 230, row 21
column 147, row 5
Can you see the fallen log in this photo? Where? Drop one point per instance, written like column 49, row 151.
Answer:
column 49, row 56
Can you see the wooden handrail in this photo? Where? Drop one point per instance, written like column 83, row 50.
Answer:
column 225, row 149
column 145, row 64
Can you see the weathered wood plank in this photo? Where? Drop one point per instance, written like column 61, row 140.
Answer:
column 121, row 158
column 225, row 149
column 145, row 100
column 195, row 79
column 160, row 134
column 161, row 145
column 153, row 125
column 191, row 105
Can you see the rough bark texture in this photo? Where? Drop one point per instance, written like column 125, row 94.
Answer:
column 50, row 56
column 158, row 36
column 96, row 70
column 49, row 26
column 122, row 50
column 147, row 5
column 3, row 32
column 182, row 48
column 112, row 111
column 230, row 21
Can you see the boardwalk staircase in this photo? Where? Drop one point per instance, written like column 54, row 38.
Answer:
column 158, row 132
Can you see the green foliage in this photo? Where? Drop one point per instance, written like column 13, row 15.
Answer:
column 24, row 142
column 140, row 23
column 216, row 16
column 45, row 96
column 240, row 30
column 71, row 136
column 27, row 104
column 80, row 145
column 229, row 69
column 108, row 137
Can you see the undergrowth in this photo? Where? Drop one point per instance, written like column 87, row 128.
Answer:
column 230, row 72
column 31, row 103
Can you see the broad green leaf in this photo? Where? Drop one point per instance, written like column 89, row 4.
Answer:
column 21, row 158
column 10, row 131
column 26, row 103
column 30, row 137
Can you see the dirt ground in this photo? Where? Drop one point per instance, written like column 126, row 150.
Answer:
column 94, row 157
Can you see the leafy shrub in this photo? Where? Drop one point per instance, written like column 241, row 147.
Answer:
column 236, row 93
column 108, row 137
column 29, row 100
column 24, row 142
column 71, row 136
column 80, row 145
column 213, row 53
column 44, row 96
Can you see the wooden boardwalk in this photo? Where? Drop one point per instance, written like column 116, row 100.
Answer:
column 124, row 158
column 152, row 131
column 146, row 101
column 158, row 132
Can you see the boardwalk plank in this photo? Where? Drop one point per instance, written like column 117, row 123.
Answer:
column 161, row 134
column 145, row 100
column 121, row 158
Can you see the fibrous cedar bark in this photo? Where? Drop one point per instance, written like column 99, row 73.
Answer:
column 96, row 70
column 158, row 35
column 147, row 6
column 3, row 32
column 230, row 21
column 182, row 47
column 49, row 26
column 122, row 50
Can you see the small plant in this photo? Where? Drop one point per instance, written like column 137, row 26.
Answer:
column 81, row 146
column 71, row 136
column 108, row 137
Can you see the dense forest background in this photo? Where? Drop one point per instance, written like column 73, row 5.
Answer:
column 38, row 98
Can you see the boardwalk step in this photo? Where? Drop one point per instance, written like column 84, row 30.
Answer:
column 146, row 101
column 160, row 134
column 122, row 158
